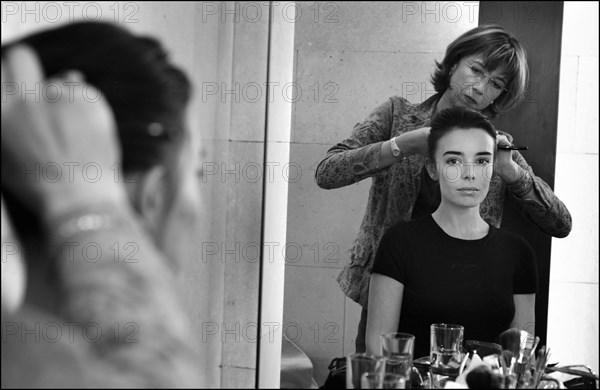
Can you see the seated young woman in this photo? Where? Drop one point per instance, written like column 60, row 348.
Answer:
column 452, row 266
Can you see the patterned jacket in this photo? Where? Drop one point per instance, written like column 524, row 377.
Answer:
column 395, row 188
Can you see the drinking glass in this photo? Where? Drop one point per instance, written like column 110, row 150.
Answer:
column 376, row 380
column 398, row 350
column 359, row 363
column 446, row 353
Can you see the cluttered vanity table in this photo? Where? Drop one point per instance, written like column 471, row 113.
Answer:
column 519, row 362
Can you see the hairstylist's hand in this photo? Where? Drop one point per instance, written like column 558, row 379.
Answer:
column 13, row 266
column 415, row 141
column 59, row 145
column 504, row 164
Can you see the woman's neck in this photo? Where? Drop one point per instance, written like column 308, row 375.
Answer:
column 463, row 223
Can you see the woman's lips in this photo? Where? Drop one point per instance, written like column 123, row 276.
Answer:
column 470, row 100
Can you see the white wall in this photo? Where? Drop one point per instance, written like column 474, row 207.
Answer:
column 573, row 297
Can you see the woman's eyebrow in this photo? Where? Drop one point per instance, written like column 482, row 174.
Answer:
column 462, row 154
column 480, row 63
column 486, row 68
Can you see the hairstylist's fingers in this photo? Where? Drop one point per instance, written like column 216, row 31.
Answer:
column 25, row 125
column 74, row 76
column 22, row 65
column 502, row 140
column 504, row 133
column 10, row 90
column 84, row 127
column 23, row 68
column 22, row 77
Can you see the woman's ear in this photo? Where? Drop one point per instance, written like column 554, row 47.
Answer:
column 431, row 167
column 150, row 197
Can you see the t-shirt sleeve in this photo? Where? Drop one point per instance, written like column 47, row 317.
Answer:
column 526, row 277
column 388, row 259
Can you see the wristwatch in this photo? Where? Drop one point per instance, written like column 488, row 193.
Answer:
column 396, row 151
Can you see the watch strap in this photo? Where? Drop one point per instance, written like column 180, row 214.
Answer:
column 396, row 151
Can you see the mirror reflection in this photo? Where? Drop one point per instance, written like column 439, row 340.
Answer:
column 365, row 139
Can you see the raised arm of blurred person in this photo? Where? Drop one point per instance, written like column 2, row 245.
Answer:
column 128, row 322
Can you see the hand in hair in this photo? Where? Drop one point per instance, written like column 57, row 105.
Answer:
column 414, row 142
column 504, row 164
column 49, row 135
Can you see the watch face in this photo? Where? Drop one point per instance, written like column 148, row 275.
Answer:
column 395, row 152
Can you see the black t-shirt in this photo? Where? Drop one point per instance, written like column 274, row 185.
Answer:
column 450, row 280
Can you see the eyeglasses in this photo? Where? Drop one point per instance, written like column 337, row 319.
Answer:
column 480, row 74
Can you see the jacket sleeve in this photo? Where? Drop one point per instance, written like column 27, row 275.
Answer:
column 358, row 156
column 117, row 286
column 551, row 216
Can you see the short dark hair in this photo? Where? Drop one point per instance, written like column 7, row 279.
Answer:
column 456, row 118
column 497, row 47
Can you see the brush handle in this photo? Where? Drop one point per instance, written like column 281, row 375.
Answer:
column 513, row 147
